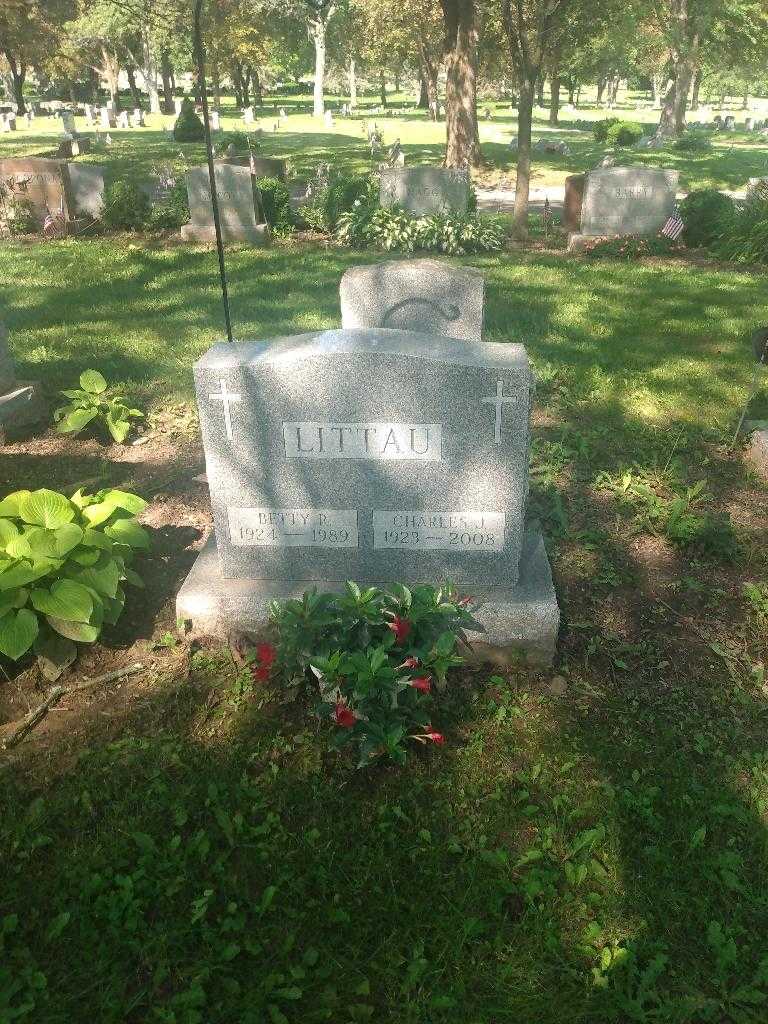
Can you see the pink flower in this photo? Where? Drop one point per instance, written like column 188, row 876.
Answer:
column 266, row 654
column 411, row 662
column 260, row 673
column 422, row 683
column 465, row 600
column 344, row 716
column 436, row 737
column 401, row 628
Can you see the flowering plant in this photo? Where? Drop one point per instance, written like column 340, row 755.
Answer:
column 378, row 658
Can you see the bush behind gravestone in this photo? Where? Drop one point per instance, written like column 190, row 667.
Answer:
column 703, row 212
column 743, row 236
column 624, row 133
column 276, row 200
column 334, row 194
column 600, row 128
column 693, row 142
column 188, row 127
column 126, row 207
column 173, row 211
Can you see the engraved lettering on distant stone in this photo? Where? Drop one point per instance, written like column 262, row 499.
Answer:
column 310, row 440
column 499, row 400
column 439, row 531
column 226, row 398
column 293, row 527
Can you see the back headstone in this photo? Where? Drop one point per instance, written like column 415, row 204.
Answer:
column 267, row 167
column 137, row 118
column 239, row 206
column 21, row 402
column 248, row 115
column 414, row 295
column 87, row 183
column 730, row 123
column 215, row 118
column 572, row 201
column 43, row 183
column 425, row 190
column 177, row 105
column 68, row 122
column 107, row 118
column 625, row 201
column 122, row 119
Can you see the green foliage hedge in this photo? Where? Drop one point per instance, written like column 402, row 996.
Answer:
column 600, row 128
column 743, row 236
column 704, row 211
column 624, row 133
column 126, row 207
column 276, row 200
column 188, row 127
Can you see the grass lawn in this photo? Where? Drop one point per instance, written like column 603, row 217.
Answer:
column 183, row 849
column 305, row 142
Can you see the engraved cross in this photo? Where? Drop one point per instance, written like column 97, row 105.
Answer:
column 226, row 398
column 499, row 400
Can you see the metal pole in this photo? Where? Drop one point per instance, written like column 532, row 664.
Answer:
column 200, row 61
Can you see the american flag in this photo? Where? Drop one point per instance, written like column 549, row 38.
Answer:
column 674, row 226
column 49, row 224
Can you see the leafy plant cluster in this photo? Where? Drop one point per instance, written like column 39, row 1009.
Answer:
column 704, row 212
column 89, row 403
column 276, row 200
column 693, row 142
column 743, row 234
column 331, row 194
column 370, row 225
column 679, row 513
column 631, row 247
column 600, row 128
column 378, row 660
column 127, row 207
column 188, row 126
column 62, row 565
column 17, row 215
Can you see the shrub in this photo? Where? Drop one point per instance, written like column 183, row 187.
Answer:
column 172, row 212
column 17, row 214
column 693, row 142
column 393, row 229
column 600, row 128
column 188, row 127
column 624, row 133
column 275, row 199
column 126, row 207
column 630, row 247
column 88, row 403
column 703, row 212
column 377, row 659
column 62, row 563
column 332, row 194
column 743, row 236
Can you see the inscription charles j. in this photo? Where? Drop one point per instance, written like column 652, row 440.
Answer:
column 308, row 440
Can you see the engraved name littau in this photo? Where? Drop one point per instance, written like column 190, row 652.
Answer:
column 444, row 531
column 293, row 527
column 421, row 441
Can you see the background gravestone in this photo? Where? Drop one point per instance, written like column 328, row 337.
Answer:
column 240, row 207
column 43, row 183
column 572, row 201
column 415, row 295
column 87, row 183
column 425, row 190
column 626, row 201
column 378, row 456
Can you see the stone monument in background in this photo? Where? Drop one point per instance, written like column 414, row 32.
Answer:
column 625, row 201
column 240, row 208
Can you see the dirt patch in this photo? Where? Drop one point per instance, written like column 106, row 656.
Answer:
column 656, row 562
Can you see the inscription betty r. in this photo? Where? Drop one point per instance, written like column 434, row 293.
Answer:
column 293, row 527
column 312, row 440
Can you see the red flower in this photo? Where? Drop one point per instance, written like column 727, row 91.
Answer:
column 260, row 672
column 411, row 662
column 266, row 654
column 401, row 628
column 344, row 716
column 422, row 683
column 436, row 737
column 465, row 600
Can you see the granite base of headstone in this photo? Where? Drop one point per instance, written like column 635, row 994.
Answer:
column 622, row 201
column 376, row 455
column 426, row 295
column 21, row 402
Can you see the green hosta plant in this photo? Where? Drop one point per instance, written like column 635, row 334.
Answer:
column 90, row 402
column 63, row 563
column 377, row 659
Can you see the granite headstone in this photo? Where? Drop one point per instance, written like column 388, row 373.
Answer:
column 43, row 183
column 425, row 190
column 87, row 183
column 425, row 295
column 239, row 206
column 626, row 201
column 21, row 402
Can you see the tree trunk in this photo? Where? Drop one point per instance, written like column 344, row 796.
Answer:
column 522, row 186
column 745, row 100
column 18, row 74
column 165, row 70
column 258, row 96
column 600, row 90
column 571, row 92
column 352, row 74
column 151, row 77
column 382, row 89
column 130, row 71
column 462, row 136
column 397, row 81
column 695, row 91
column 423, row 103
column 317, row 28
column 540, row 90
column 430, row 73
column 554, row 95
column 111, row 68
column 216, row 82
column 672, row 120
